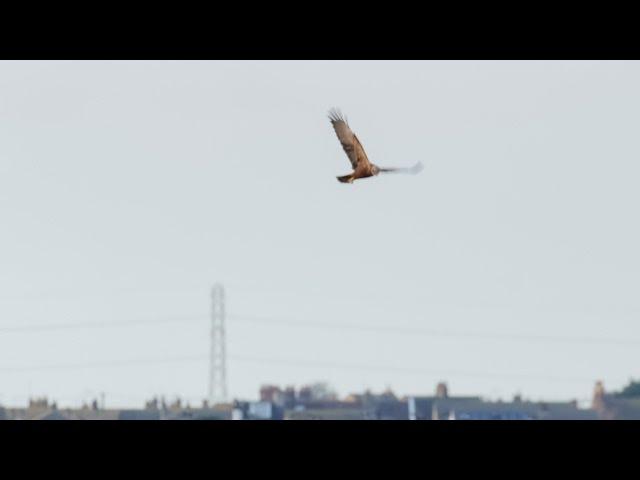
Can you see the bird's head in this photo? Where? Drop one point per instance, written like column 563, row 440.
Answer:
column 375, row 170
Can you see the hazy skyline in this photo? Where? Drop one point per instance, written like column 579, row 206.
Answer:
column 127, row 189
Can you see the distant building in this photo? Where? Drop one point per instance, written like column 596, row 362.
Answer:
column 197, row 414
column 614, row 406
column 101, row 414
column 441, row 390
column 343, row 413
column 139, row 415
column 42, row 409
column 271, row 393
column 257, row 411
column 54, row 415
column 319, row 401
column 437, row 408
column 443, row 407
column 37, row 409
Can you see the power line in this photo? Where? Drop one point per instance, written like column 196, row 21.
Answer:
column 412, row 370
column 396, row 330
column 295, row 363
column 102, row 324
column 431, row 332
column 106, row 364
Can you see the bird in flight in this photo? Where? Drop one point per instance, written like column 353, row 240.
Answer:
column 362, row 167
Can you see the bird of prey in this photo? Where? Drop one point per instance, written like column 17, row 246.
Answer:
column 362, row 167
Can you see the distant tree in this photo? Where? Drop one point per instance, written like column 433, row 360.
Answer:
column 630, row 391
column 322, row 391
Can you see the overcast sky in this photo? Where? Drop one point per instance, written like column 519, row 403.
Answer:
column 127, row 189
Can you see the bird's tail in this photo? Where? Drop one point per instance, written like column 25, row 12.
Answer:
column 346, row 178
column 417, row 168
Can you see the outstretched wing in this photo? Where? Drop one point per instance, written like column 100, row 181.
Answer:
column 350, row 143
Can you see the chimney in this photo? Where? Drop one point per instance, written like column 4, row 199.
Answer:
column 441, row 390
column 597, row 402
column 269, row 393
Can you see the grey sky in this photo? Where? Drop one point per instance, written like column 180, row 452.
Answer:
column 128, row 188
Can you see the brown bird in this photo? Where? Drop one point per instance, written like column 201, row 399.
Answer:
column 362, row 167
